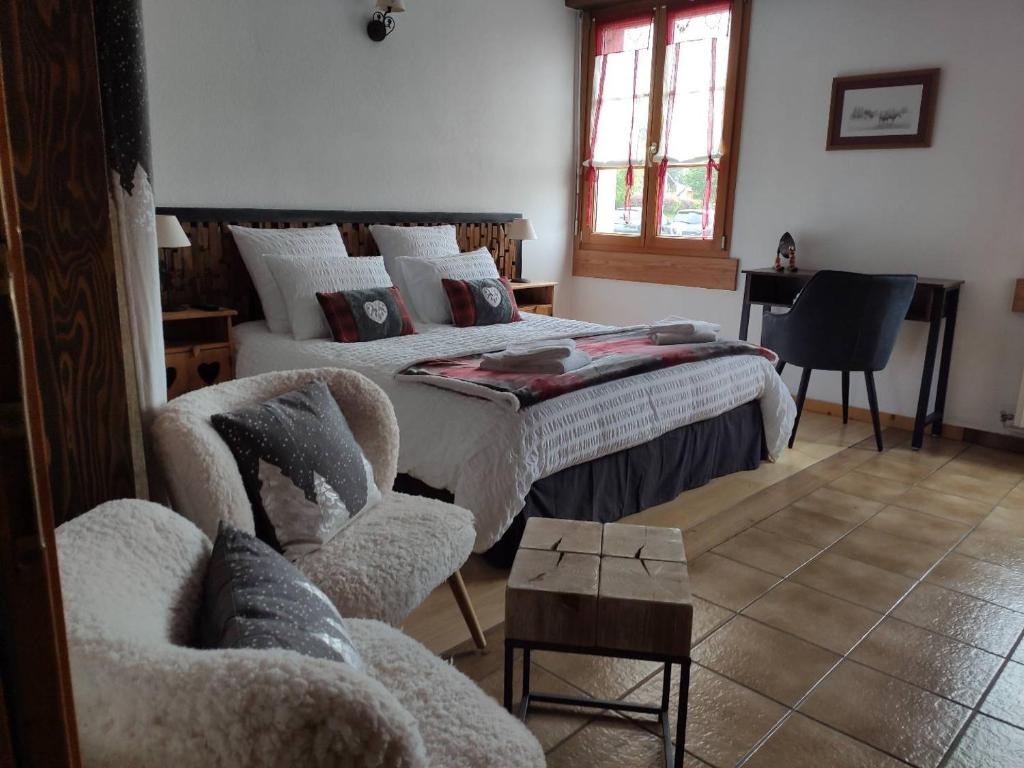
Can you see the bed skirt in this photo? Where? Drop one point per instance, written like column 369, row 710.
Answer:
column 633, row 479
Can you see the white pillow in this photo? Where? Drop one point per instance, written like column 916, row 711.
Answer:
column 413, row 242
column 255, row 244
column 300, row 278
column 422, row 278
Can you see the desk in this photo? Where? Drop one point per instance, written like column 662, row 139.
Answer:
column 934, row 300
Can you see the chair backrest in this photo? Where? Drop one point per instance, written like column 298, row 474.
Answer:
column 844, row 321
column 201, row 474
column 131, row 572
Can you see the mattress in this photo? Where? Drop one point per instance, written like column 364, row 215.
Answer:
column 488, row 456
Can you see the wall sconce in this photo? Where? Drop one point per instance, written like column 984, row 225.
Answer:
column 383, row 23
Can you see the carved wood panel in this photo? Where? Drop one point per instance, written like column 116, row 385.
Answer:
column 212, row 272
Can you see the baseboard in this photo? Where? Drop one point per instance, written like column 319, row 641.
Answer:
column 949, row 431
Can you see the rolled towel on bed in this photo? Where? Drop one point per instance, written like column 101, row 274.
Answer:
column 544, row 348
column 659, row 337
column 578, row 359
column 682, row 330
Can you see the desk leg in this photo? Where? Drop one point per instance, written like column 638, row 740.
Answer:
column 947, row 353
column 934, row 324
column 745, row 311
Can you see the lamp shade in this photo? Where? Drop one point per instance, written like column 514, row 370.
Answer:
column 520, row 229
column 393, row 6
column 169, row 233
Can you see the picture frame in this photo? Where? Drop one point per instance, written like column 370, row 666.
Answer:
column 888, row 110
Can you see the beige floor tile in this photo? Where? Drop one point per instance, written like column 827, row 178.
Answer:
column 852, row 580
column 1014, row 499
column 996, row 547
column 1006, row 699
column 894, row 716
column 961, row 617
column 1018, row 655
column 891, row 553
column 767, row 551
column 804, row 743
column 928, row 660
column 892, row 466
column 550, row 725
column 944, row 505
column 936, row 449
column 988, row 491
column 1004, row 520
column 988, row 743
column 841, row 506
column 918, row 526
column 603, row 677
column 724, row 719
column 984, row 467
column 978, row 578
column 726, row 582
column 477, row 664
column 774, row 663
column 870, row 487
column 707, row 617
column 814, row 616
column 609, row 743
column 808, row 527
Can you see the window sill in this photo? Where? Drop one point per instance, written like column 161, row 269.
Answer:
column 719, row 272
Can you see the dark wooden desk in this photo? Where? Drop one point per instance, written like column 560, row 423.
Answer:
column 934, row 300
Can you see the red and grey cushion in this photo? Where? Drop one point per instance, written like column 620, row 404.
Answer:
column 366, row 315
column 485, row 301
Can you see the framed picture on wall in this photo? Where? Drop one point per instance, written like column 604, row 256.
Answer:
column 890, row 110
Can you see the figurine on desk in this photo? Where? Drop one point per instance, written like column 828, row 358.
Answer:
column 787, row 251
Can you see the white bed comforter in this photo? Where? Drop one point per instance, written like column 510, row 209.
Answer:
column 488, row 455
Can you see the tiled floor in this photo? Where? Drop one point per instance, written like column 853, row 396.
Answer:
column 866, row 611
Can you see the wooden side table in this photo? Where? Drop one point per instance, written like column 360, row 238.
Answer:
column 607, row 590
column 536, row 297
column 197, row 349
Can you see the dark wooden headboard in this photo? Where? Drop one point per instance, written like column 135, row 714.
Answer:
column 212, row 272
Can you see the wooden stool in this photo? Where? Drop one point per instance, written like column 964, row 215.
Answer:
column 607, row 590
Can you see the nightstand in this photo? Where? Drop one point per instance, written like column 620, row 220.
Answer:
column 536, row 297
column 197, row 349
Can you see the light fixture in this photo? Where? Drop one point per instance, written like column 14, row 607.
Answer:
column 520, row 229
column 170, row 234
column 383, row 23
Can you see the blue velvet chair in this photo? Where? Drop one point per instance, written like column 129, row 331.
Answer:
column 841, row 321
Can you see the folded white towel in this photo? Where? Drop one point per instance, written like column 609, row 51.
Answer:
column 683, row 325
column 554, row 348
column 660, row 337
column 576, row 360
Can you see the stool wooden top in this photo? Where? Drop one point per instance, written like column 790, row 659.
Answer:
column 613, row 586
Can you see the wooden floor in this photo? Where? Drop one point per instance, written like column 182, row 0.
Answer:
column 438, row 624
column 851, row 609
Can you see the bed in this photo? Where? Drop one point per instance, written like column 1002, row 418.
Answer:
column 597, row 453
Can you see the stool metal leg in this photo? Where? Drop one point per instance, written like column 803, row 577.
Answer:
column 666, row 698
column 684, row 700
column 509, row 652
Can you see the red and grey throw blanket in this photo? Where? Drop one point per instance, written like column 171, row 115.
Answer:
column 614, row 356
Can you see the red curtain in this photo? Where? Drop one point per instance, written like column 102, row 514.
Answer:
column 673, row 76
column 610, row 38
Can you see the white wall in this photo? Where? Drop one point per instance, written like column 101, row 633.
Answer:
column 467, row 106
column 953, row 210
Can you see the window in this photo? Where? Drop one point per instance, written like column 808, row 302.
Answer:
column 661, row 102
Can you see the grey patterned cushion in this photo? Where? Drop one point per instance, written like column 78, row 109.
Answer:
column 303, row 470
column 254, row 598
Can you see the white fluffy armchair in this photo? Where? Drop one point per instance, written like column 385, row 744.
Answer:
column 387, row 560
column 131, row 575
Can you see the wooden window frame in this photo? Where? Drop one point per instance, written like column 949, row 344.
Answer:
column 650, row 257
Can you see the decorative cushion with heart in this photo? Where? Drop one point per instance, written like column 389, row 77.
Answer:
column 487, row 301
column 368, row 315
column 304, row 473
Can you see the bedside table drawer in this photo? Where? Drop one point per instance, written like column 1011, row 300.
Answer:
column 538, row 309
column 197, row 368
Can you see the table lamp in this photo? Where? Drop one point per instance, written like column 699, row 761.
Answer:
column 520, row 229
column 169, row 235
